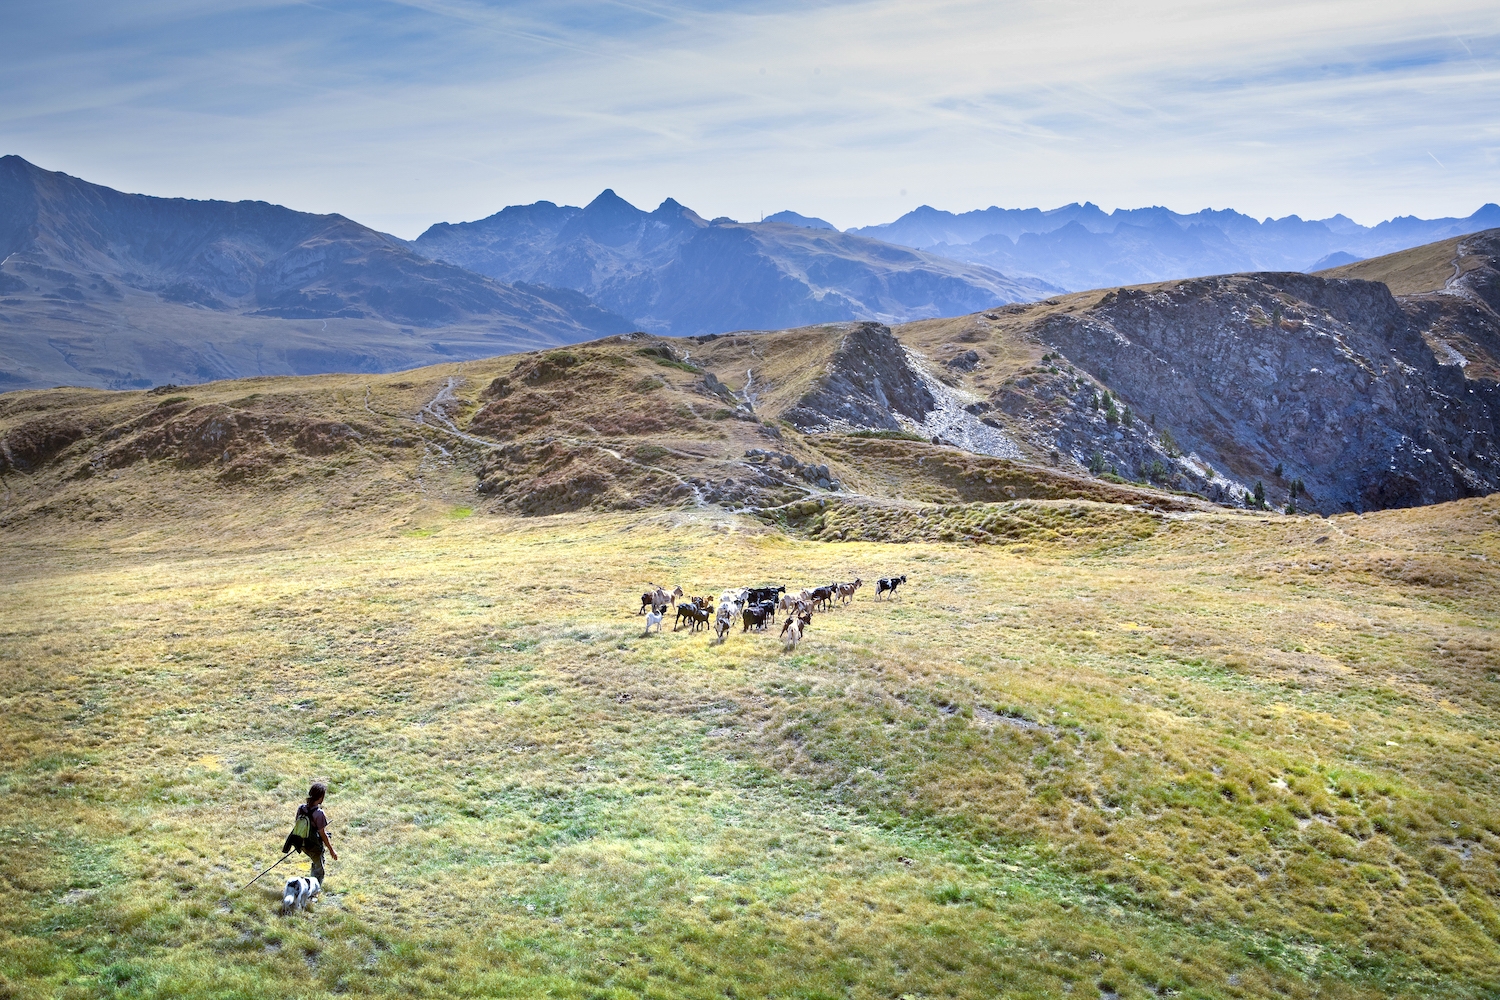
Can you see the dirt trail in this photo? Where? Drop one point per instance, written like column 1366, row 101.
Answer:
column 1455, row 286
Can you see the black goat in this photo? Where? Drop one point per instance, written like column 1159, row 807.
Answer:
column 760, row 595
column 824, row 596
column 695, row 615
column 758, row 615
column 889, row 584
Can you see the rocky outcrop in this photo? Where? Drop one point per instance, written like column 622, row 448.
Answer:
column 782, row 466
column 1331, row 389
column 1073, row 421
column 868, row 381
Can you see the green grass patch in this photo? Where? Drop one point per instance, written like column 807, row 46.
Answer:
column 1172, row 759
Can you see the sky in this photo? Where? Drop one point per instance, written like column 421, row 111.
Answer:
column 402, row 113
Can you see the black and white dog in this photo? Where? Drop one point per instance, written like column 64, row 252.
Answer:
column 299, row 892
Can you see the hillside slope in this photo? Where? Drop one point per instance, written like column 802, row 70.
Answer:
column 1431, row 268
column 1327, row 385
column 675, row 273
column 626, row 423
column 115, row 290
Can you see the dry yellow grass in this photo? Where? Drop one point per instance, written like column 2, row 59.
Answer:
column 1220, row 756
column 784, row 364
column 1410, row 272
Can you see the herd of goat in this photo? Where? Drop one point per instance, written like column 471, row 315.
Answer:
column 754, row 607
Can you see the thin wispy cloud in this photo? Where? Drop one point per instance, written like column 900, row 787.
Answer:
column 405, row 113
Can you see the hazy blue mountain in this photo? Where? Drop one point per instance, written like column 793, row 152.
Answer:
column 1076, row 257
column 793, row 219
column 108, row 289
column 1336, row 259
column 1081, row 246
column 673, row 272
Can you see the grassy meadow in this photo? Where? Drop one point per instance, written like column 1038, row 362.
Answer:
column 1222, row 756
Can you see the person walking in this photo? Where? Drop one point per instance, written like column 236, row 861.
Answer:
column 317, row 837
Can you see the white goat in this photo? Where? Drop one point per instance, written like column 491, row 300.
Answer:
column 791, row 632
column 654, row 617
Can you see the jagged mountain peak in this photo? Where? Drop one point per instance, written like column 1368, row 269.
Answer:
column 676, row 273
column 609, row 203
column 674, row 213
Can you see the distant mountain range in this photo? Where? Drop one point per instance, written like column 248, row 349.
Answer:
column 114, row 290
column 674, row 272
column 1080, row 246
column 100, row 288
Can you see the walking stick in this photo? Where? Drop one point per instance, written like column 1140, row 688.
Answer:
column 257, row 878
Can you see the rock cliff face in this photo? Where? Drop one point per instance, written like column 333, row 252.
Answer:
column 866, row 383
column 1332, row 392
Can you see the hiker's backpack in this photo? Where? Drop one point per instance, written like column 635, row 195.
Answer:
column 302, row 833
